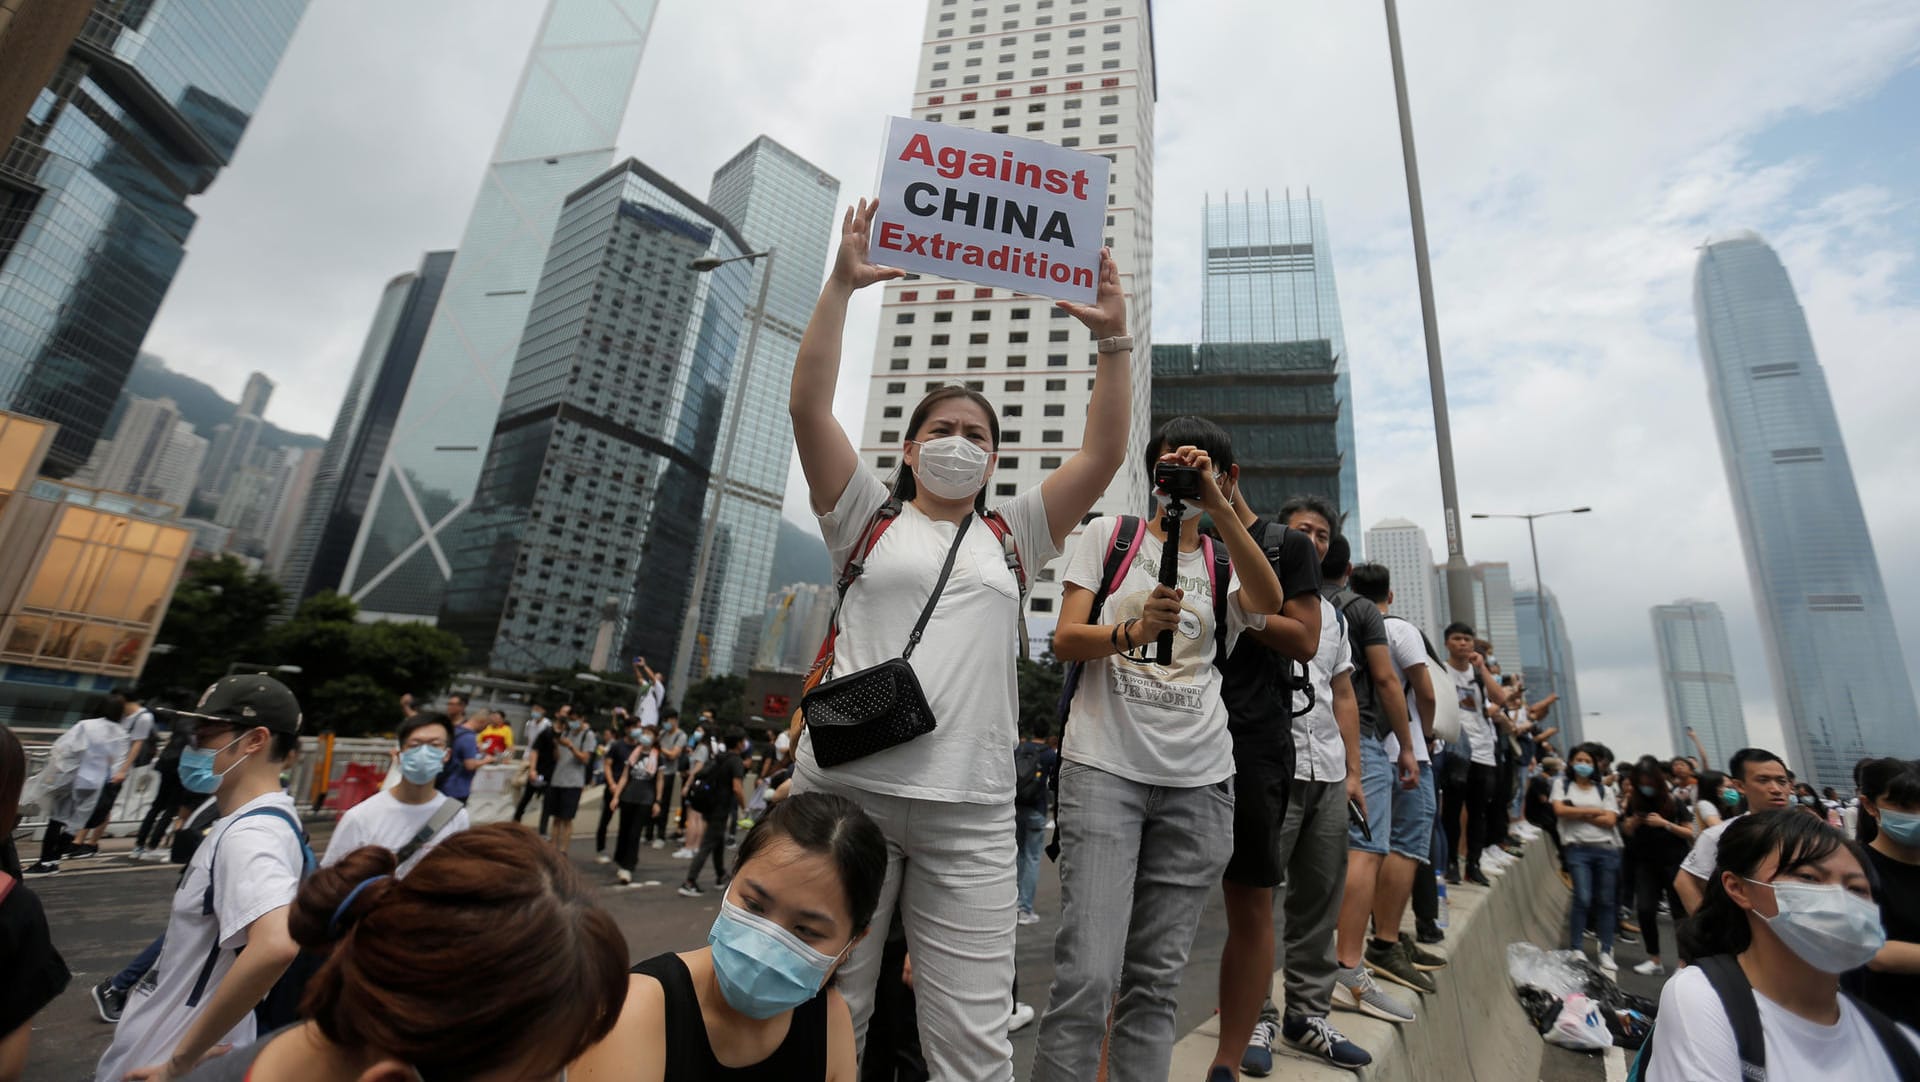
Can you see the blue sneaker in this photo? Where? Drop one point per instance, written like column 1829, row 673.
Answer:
column 1258, row 1058
column 1318, row 1038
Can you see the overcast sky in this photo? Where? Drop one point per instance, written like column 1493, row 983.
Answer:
column 1573, row 156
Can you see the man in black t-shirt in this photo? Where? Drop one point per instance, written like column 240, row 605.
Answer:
column 718, row 797
column 1893, row 982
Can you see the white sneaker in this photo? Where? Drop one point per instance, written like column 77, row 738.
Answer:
column 683, row 854
column 1355, row 990
column 658, row 844
column 1607, row 964
column 1021, row 1018
column 1027, row 916
column 602, row 858
column 1649, row 968
column 139, row 853
column 623, row 877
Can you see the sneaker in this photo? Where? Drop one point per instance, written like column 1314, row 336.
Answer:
column 1354, row 990
column 1478, row 878
column 1423, row 960
column 683, row 854
column 688, row 890
column 1028, row 916
column 1607, row 964
column 1393, row 964
column 1426, row 931
column 44, row 867
column 156, row 856
column 659, row 844
column 1650, row 968
column 1257, row 1060
column 77, row 852
column 623, row 877
column 1627, row 937
column 1453, row 875
column 602, row 858
column 1317, row 1038
column 1220, row 1074
column 109, row 1002
column 139, row 853
column 1021, row 1018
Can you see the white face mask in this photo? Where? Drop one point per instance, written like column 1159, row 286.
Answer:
column 1829, row 927
column 952, row 467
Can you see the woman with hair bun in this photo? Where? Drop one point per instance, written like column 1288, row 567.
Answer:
column 488, row 962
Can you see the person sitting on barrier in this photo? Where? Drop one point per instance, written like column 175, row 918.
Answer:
column 489, row 962
column 758, row 1001
column 1789, row 908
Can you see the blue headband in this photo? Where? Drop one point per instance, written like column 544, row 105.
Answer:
column 333, row 926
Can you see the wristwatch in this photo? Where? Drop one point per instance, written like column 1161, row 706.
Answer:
column 1115, row 344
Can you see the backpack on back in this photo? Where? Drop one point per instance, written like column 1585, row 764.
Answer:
column 1029, row 775
column 281, row 1005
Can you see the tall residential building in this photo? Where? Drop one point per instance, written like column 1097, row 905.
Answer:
column 1276, row 400
column 234, row 444
column 1269, row 278
column 171, row 481
column 147, row 453
column 350, row 464
column 252, row 497
column 1402, row 548
column 598, row 467
column 143, row 111
column 302, row 465
column 559, row 134
column 1839, row 678
column 253, row 398
column 1696, row 675
column 1080, row 75
column 1534, row 650
column 777, row 200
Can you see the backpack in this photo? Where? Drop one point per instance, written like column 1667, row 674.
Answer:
column 153, row 736
column 1736, row 997
column 1030, row 775
column 281, row 1005
column 1293, row 686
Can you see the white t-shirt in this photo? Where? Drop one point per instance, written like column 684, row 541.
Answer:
column 1705, row 814
column 1706, row 852
column 1319, row 752
column 1694, row 1040
column 1132, row 717
column 532, row 730
column 650, row 701
column 140, row 725
column 383, row 820
column 1582, row 831
column 965, row 661
column 259, row 868
column 1408, row 651
column 782, row 744
column 1476, row 728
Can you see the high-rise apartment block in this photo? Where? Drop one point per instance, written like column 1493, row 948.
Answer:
column 234, row 444
column 1535, row 648
column 559, row 134
column 1696, row 676
column 1840, row 681
column 143, row 110
column 154, row 453
column 1401, row 546
column 253, row 398
column 589, row 506
column 1079, row 73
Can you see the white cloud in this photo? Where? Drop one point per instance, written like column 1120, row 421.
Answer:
column 1573, row 157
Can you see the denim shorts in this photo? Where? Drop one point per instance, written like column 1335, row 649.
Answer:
column 1413, row 812
column 1377, row 782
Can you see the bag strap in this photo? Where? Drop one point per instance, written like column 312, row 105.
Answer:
column 856, row 565
column 1906, row 1058
column 1736, row 998
column 442, row 815
column 206, row 902
column 939, row 588
column 1220, row 577
column 1003, row 532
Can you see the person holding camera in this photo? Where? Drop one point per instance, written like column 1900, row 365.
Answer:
column 573, row 748
column 941, row 795
column 1146, row 773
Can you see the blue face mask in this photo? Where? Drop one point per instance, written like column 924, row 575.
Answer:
column 1647, row 790
column 196, row 768
column 633, row 733
column 1585, row 770
column 646, row 740
column 1730, row 798
column 422, row 763
column 763, row 969
column 1902, row 827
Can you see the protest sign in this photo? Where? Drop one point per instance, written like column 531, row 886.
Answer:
column 992, row 209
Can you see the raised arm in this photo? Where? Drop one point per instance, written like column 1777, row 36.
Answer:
column 1071, row 489
column 827, row 456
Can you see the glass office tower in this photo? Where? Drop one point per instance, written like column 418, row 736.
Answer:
column 1566, row 714
column 1278, row 402
column 1839, row 677
column 597, row 471
column 559, row 134
column 1696, row 676
column 777, row 200
column 1269, row 278
column 143, row 112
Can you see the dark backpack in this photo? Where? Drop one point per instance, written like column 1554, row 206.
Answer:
column 281, row 1006
column 1030, row 775
column 147, row 749
column 1749, row 1039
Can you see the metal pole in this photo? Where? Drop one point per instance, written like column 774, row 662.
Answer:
column 1540, row 612
column 683, row 657
column 1459, row 577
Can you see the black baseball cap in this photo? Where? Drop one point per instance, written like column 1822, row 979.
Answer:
column 250, row 701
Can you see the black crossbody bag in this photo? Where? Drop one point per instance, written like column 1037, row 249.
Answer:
column 877, row 708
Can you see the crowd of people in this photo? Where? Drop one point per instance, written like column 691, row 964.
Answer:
column 1242, row 709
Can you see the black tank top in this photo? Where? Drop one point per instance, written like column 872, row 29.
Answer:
column 802, row 1056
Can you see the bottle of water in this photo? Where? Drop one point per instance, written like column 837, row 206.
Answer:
column 1442, row 884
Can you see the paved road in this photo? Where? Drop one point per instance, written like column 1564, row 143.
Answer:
column 103, row 910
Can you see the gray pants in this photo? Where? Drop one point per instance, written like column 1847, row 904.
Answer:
column 1137, row 865
column 1313, row 850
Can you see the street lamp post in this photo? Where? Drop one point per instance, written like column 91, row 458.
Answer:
column 683, row 656
column 1539, row 585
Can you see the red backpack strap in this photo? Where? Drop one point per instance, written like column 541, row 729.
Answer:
column 1134, row 528
column 883, row 517
column 1003, row 533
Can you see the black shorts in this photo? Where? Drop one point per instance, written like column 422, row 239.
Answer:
column 562, row 803
column 1263, row 769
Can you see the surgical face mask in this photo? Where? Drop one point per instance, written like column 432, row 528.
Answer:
column 196, row 768
column 1829, row 927
column 1585, row 770
column 952, row 467
column 1730, row 798
column 1902, row 827
column 421, row 763
column 1648, row 790
column 633, row 733
column 646, row 740
column 763, row 968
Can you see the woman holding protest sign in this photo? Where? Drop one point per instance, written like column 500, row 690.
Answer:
column 922, row 578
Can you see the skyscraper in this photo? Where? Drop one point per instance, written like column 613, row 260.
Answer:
column 1565, row 714
column 1493, row 616
column 777, row 200
column 154, row 453
column 559, row 134
column 343, row 481
column 302, row 465
column 1696, row 676
column 1269, row 278
column 143, row 111
column 253, row 398
column 1402, row 548
column 1839, row 678
column 1080, row 75
column 598, row 467
column 232, row 451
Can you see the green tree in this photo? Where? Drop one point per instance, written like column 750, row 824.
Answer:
column 725, row 695
column 352, row 674
column 219, row 607
column 1040, row 684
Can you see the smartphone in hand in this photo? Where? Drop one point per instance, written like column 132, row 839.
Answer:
column 1358, row 819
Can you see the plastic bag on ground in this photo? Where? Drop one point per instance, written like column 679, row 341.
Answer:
column 1581, row 1026
column 1552, row 971
column 1542, row 1007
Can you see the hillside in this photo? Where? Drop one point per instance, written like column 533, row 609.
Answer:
column 201, row 405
